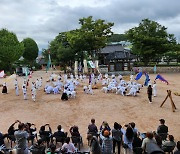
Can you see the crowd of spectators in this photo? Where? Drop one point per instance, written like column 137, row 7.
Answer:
column 106, row 140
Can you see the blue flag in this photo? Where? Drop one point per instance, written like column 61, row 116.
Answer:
column 138, row 76
column 147, row 79
column 161, row 78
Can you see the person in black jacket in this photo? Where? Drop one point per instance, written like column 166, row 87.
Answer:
column 2, row 136
column 11, row 130
column 95, row 146
column 137, row 142
column 44, row 134
column 149, row 92
column 31, row 131
column 162, row 129
column 60, row 134
column 38, row 148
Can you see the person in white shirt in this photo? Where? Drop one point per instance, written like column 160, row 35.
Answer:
column 68, row 147
column 37, row 84
column 40, row 82
column 154, row 89
column 131, row 77
column 33, row 89
column 72, row 76
column 119, row 77
column 24, row 89
column 65, row 78
column 16, row 87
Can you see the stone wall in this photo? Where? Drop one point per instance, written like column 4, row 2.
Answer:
column 158, row 69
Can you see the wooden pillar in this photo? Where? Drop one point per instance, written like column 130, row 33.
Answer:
column 76, row 68
column 85, row 70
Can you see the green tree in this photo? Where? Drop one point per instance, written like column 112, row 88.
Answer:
column 150, row 39
column 173, row 55
column 91, row 36
column 117, row 38
column 30, row 50
column 60, row 51
column 10, row 49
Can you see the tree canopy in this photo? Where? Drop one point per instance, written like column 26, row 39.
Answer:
column 30, row 50
column 150, row 39
column 10, row 49
column 60, row 51
column 91, row 36
column 117, row 38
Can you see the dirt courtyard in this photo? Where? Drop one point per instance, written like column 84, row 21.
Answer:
column 110, row 107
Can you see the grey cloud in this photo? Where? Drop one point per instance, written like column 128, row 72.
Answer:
column 42, row 20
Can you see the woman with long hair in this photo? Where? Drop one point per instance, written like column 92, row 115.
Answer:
column 128, row 137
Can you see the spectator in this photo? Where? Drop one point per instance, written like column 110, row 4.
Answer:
column 162, row 129
column 137, row 142
column 74, row 131
column 11, row 129
column 31, row 131
column 149, row 139
column 68, row 147
column 128, row 137
column 92, row 128
column 2, row 136
column 132, row 124
column 60, row 134
column 107, row 145
column 158, row 139
column 52, row 149
column 45, row 135
column 38, row 148
column 178, row 148
column 95, row 146
column 21, row 139
column 169, row 143
column 104, row 126
column 117, row 137
column 2, row 145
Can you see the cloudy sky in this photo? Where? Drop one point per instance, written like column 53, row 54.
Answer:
column 42, row 20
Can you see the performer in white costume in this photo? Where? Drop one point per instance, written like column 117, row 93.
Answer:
column 154, row 89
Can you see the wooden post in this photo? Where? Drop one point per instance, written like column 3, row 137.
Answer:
column 172, row 102
column 76, row 68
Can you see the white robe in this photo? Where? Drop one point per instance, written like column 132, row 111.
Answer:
column 154, row 90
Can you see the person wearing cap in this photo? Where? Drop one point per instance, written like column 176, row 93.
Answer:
column 107, row 142
column 162, row 129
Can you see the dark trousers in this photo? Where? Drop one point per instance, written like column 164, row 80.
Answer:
column 118, row 144
column 150, row 97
